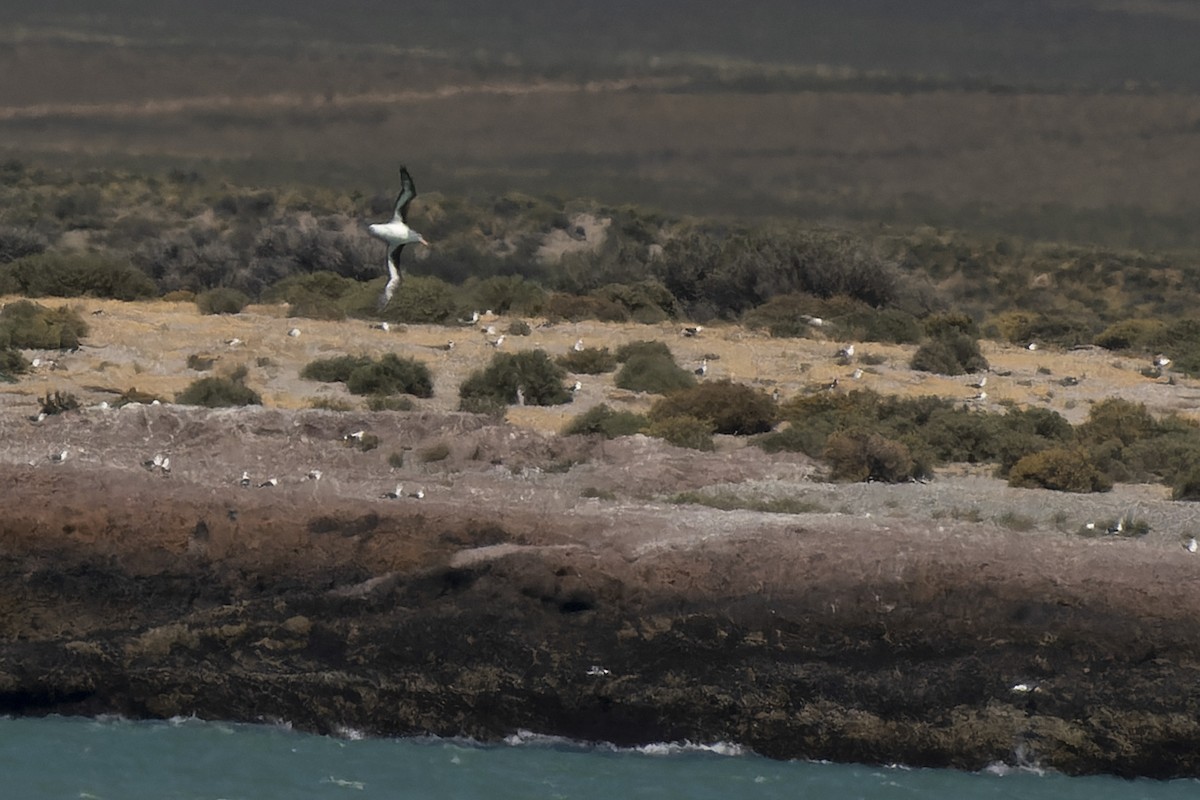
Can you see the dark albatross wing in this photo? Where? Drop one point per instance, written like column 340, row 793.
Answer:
column 408, row 190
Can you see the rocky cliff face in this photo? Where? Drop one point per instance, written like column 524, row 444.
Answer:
column 499, row 602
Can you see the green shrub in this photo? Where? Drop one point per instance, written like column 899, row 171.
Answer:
column 860, row 456
column 1059, row 469
column 1134, row 334
column 683, row 431
column 654, row 374
column 787, row 315
column 18, row 243
column 333, row 370
column 506, row 294
column 531, row 371
column 1117, row 419
column 731, row 408
column 393, row 403
column 12, row 363
column 880, row 325
column 29, row 326
column 950, row 323
column 76, row 274
column 391, row 375
column 575, row 308
column 330, row 404
column 422, row 300
column 588, row 361
column 518, row 327
column 647, row 302
column 607, row 422
column 1187, row 487
column 950, row 353
column 643, row 348
column 214, row 392
column 222, row 300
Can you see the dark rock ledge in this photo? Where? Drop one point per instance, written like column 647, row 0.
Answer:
column 808, row 637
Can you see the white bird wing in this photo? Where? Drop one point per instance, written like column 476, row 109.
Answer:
column 393, row 283
column 408, row 190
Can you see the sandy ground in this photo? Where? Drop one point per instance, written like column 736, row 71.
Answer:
column 146, row 345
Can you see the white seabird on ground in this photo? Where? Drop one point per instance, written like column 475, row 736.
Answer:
column 692, row 330
column 846, row 352
column 268, row 483
column 294, row 332
column 396, row 493
column 245, row 479
column 397, row 234
column 578, row 346
column 58, row 458
column 1190, row 545
column 702, row 370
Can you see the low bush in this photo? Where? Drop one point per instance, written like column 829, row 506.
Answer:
column 333, row 370
column 683, row 431
column 588, row 361
column 215, row 392
column 76, row 274
column 391, row 374
column 950, row 353
column 29, row 326
column 653, row 374
column 18, row 243
column 507, row 294
column 1060, row 469
column 1134, row 334
column 518, row 327
column 861, row 456
column 575, row 308
column 12, row 363
column 531, row 372
column 643, row 347
column 607, row 422
column 728, row 407
column 390, row 403
column 222, row 300
column 1187, row 487
column 419, row 300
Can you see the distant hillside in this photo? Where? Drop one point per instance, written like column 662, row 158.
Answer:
column 1075, row 43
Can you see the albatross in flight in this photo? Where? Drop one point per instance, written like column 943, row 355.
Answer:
column 397, row 234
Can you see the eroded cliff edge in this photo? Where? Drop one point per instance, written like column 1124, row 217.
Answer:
column 478, row 611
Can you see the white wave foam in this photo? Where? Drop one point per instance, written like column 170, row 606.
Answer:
column 524, row 738
column 348, row 733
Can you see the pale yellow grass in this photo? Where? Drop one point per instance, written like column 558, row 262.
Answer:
column 145, row 345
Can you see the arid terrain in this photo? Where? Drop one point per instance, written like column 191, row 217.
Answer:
column 549, row 583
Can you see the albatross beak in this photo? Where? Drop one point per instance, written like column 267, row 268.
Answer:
column 427, row 244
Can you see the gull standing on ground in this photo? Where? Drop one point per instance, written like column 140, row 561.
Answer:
column 397, row 234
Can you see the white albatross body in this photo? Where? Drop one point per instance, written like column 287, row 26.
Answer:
column 397, row 234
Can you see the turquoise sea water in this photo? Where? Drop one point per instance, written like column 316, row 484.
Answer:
column 82, row 759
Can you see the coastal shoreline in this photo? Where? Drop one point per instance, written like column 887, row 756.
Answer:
column 504, row 601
